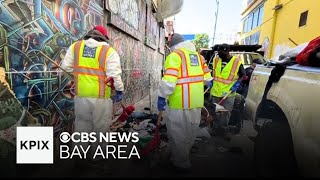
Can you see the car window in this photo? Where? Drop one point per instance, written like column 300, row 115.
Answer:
column 244, row 58
column 259, row 57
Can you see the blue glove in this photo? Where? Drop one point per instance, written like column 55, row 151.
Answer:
column 161, row 103
column 235, row 86
column 118, row 97
column 209, row 84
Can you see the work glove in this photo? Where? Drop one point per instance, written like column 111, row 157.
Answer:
column 209, row 84
column 118, row 97
column 235, row 86
column 161, row 103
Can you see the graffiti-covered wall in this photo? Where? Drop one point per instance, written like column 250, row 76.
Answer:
column 34, row 37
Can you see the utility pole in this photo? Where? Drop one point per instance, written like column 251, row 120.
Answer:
column 215, row 24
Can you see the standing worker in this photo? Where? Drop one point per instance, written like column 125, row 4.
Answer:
column 228, row 72
column 183, row 86
column 92, row 61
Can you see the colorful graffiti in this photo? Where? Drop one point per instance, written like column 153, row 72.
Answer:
column 33, row 34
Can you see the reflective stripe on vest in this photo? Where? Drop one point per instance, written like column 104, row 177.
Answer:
column 172, row 72
column 98, row 72
column 225, row 78
column 185, row 81
column 232, row 73
column 184, row 68
column 189, row 80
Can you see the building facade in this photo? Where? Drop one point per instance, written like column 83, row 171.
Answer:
column 279, row 25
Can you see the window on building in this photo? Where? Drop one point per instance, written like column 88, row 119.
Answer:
column 252, row 40
column 245, row 25
column 255, row 19
column 247, row 40
column 303, row 19
column 260, row 19
column 250, row 22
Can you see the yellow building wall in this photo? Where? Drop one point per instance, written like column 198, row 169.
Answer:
column 267, row 27
column 287, row 25
column 284, row 24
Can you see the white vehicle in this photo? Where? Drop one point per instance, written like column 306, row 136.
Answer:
column 285, row 112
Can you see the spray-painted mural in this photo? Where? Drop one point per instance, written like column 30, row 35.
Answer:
column 129, row 16
column 139, row 60
column 34, row 37
column 152, row 30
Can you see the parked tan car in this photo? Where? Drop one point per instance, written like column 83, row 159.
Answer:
column 286, row 118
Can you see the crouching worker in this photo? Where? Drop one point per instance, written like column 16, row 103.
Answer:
column 183, row 87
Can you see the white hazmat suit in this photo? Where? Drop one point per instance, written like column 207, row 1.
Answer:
column 182, row 125
column 95, row 114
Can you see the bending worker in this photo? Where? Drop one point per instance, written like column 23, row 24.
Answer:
column 92, row 61
column 183, row 86
column 228, row 72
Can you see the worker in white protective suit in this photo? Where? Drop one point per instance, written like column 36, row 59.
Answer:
column 93, row 61
column 182, row 85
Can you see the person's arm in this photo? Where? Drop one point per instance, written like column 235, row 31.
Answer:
column 207, row 72
column 241, row 73
column 68, row 61
column 114, row 70
column 168, row 83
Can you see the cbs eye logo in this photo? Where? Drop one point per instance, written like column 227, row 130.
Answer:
column 65, row 137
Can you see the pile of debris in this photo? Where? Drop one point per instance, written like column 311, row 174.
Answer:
column 129, row 120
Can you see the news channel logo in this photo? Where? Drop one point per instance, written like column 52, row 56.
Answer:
column 34, row 145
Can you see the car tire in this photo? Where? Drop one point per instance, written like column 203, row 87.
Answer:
column 274, row 152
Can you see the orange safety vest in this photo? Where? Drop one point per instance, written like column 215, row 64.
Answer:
column 90, row 71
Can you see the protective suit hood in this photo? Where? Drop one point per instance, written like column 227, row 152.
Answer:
column 94, row 43
column 188, row 45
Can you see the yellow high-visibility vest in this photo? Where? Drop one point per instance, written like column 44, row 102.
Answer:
column 187, row 70
column 90, row 70
column 225, row 79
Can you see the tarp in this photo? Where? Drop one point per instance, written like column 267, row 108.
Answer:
column 168, row 8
